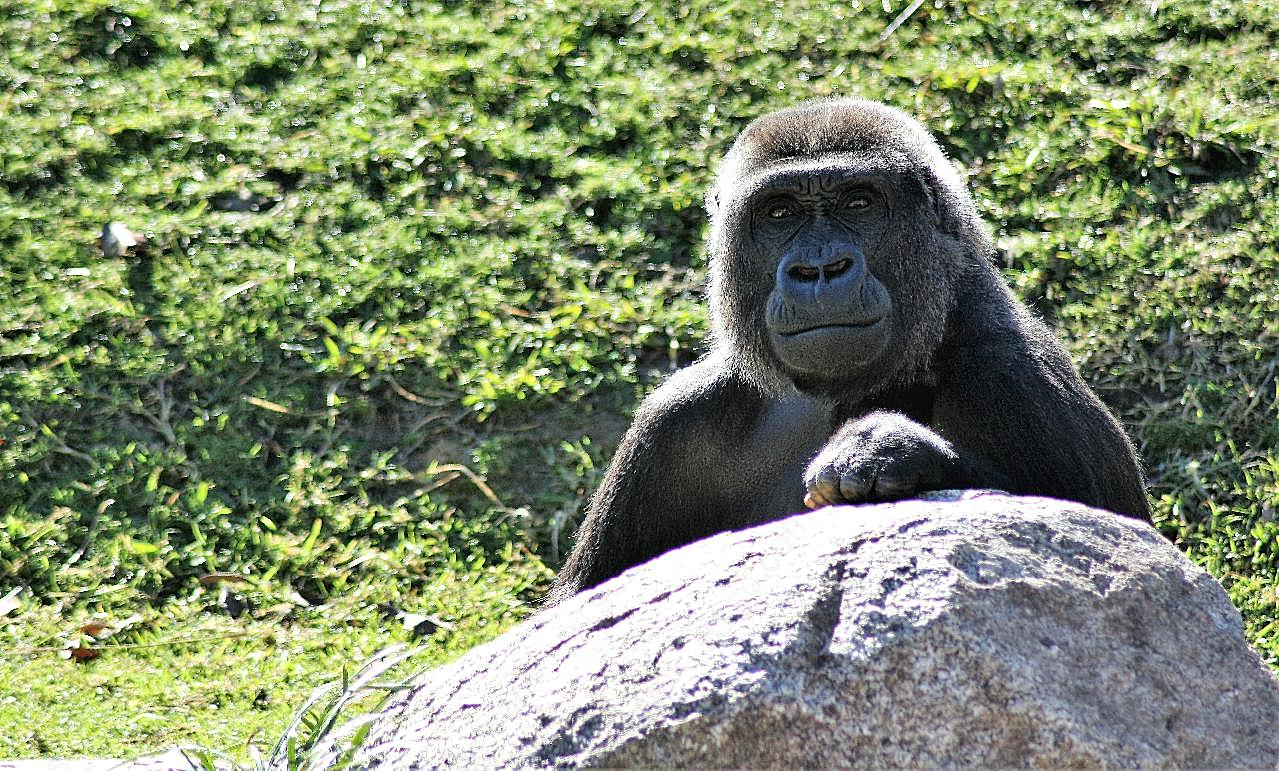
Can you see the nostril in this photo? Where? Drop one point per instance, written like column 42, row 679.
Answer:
column 803, row 273
column 837, row 267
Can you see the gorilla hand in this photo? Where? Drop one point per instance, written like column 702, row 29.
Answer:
column 882, row 456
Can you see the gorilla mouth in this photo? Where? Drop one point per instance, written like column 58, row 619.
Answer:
column 838, row 350
column 845, row 325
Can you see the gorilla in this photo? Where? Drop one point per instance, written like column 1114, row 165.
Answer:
column 864, row 348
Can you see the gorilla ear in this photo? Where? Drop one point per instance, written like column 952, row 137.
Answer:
column 956, row 213
column 926, row 183
column 937, row 203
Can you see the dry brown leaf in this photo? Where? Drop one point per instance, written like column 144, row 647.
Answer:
column 96, row 628
column 209, row 579
column 80, row 653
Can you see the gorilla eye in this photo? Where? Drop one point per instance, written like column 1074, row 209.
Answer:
column 779, row 210
column 858, row 201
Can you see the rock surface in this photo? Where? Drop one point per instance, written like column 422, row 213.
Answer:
column 983, row 630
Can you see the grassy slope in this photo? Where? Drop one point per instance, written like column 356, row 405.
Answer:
column 480, row 240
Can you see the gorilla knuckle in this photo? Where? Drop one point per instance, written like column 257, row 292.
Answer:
column 857, row 485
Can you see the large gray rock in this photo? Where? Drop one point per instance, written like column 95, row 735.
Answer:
column 985, row 630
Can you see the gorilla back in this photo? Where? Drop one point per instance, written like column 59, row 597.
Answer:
column 865, row 349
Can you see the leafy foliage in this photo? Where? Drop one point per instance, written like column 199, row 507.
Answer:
column 408, row 265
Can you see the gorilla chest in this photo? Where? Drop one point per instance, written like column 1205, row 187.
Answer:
column 759, row 460
column 763, row 458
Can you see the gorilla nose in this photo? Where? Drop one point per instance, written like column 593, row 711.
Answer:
column 818, row 264
column 812, row 273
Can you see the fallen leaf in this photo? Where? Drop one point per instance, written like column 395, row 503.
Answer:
column 10, row 602
column 117, row 239
column 266, row 405
column 96, row 628
column 234, row 603
column 418, row 624
column 80, row 653
column 209, row 579
column 100, row 630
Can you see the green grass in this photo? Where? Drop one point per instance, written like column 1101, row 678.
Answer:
column 478, row 241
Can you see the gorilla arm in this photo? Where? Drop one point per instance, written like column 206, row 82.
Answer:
column 1007, row 411
column 706, row 452
column 1025, row 420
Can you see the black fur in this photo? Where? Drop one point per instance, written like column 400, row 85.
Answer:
column 865, row 348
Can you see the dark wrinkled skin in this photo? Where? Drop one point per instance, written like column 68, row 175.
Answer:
column 865, row 349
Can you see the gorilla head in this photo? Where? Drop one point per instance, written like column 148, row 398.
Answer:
column 838, row 232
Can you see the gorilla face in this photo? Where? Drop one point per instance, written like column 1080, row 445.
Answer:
column 829, row 315
column 851, row 294
column 839, row 231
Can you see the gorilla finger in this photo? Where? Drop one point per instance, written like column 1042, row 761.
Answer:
column 824, row 487
column 888, row 485
column 857, row 485
column 822, row 498
column 818, row 497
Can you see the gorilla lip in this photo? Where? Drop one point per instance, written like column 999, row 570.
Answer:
column 867, row 324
